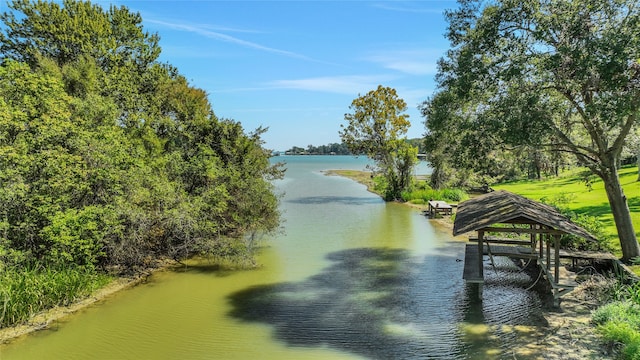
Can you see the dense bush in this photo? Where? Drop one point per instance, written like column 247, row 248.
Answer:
column 619, row 320
column 109, row 158
column 619, row 324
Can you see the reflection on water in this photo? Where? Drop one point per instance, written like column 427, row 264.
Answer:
column 378, row 303
column 350, row 277
column 384, row 303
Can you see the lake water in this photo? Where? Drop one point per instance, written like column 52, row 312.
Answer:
column 348, row 277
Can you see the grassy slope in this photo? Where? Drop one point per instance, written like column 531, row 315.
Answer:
column 582, row 200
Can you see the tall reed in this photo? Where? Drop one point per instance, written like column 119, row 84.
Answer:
column 27, row 292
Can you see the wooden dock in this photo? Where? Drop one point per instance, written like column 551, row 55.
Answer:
column 560, row 285
column 439, row 207
column 471, row 272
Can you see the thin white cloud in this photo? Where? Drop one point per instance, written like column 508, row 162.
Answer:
column 413, row 62
column 334, row 84
column 216, row 35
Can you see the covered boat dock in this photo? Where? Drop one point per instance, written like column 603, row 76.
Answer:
column 527, row 230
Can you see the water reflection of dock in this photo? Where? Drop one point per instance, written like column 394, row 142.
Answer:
column 533, row 231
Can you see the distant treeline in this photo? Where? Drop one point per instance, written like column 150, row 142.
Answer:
column 331, row 149
column 339, row 149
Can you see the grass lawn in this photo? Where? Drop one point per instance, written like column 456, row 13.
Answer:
column 582, row 199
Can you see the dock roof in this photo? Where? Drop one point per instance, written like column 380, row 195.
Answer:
column 506, row 207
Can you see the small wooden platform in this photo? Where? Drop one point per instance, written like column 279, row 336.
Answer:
column 439, row 207
column 471, row 266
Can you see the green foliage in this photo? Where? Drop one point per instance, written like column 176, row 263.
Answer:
column 112, row 160
column 424, row 195
column 618, row 311
column 375, row 127
column 590, row 223
column 67, row 32
column 527, row 81
column 380, row 184
column 330, row 149
column 619, row 323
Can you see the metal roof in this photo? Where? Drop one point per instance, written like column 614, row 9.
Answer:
column 506, row 207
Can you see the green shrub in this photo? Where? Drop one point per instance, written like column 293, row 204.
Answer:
column 426, row 194
column 422, row 185
column 454, row 194
column 379, row 184
column 593, row 226
column 587, row 222
column 76, row 237
column 622, row 333
column 619, row 324
column 618, row 311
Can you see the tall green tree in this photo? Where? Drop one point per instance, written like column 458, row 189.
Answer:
column 73, row 29
column 562, row 74
column 110, row 158
column 375, row 127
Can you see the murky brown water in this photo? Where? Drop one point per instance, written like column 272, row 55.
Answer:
column 352, row 277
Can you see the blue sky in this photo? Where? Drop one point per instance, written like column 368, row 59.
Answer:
column 295, row 66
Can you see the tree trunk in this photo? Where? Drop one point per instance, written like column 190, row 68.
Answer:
column 638, row 162
column 621, row 213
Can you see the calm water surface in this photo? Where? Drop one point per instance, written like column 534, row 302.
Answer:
column 350, row 277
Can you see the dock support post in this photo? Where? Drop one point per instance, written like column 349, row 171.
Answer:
column 480, row 263
column 548, row 241
column 556, row 259
column 480, row 253
column 541, row 240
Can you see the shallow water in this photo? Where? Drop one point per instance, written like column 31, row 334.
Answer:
column 349, row 277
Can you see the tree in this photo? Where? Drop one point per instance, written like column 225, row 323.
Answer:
column 109, row 158
column 560, row 74
column 76, row 29
column 375, row 128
